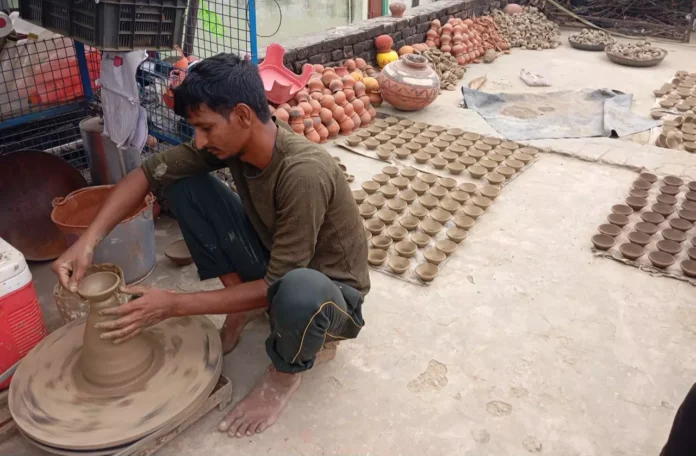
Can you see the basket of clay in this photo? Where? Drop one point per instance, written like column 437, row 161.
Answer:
column 640, row 54
column 70, row 305
column 590, row 40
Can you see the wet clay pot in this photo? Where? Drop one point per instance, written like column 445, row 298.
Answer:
column 409, row 84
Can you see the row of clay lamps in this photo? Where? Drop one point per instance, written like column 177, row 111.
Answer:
column 320, row 112
column 653, row 221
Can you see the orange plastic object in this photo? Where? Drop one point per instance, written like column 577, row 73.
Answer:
column 280, row 83
column 58, row 81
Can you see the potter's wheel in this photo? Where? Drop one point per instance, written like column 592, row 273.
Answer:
column 54, row 406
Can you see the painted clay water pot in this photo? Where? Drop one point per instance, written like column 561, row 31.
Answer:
column 409, row 84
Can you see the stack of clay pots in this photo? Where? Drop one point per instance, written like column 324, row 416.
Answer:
column 329, row 105
column 466, row 39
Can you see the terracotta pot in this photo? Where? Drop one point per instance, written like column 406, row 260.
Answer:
column 384, row 43
column 397, row 9
column 409, row 84
column 513, row 8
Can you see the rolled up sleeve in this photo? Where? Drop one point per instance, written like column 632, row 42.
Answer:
column 302, row 199
column 177, row 163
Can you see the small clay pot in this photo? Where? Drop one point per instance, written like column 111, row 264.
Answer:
column 419, row 187
column 631, row 251
column 609, row 229
column 638, row 193
column 670, row 247
column 505, row 171
column 465, row 143
column 477, row 154
column 367, row 210
column 384, row 153
column 437, row 129
column 388, row 191
column 371, row 143
column 418, row 211
column 421, row 157
column 688, row 267
column 447, row 138
column 464, row 222
column 426, row 272
column 680, row 224
column 639, row 238
column 671, row 234
column 467, row 161
column 603, row 242
column 402, row 153
column 652, row 217
column 456, row 132
column 381, row 242
column 353, row 140
column 391, row 171
column 648, row 177
column 399, row 182
column 446, row 246
column 434, row 256
column 482, row 202
column 471, row 136
column 641, row 184
column 482, row 147
column 692, row 186
column 407, row 195
column 397, row 205
column 477, row 172
column 618, row 220
column 430, row 227
column 689, row 206
column 374, row 226
column 428, row 201
column 376, row 257
column 387, row 216
column 514, row 164
column 690, row 195
column 359, row 196
column 667, row 199
column 524, row 158
column 363, row 134
column 636, row 203
column 440, row 215
column 468, row 187
column 490, row 165
column 647, row 228
column 374, row 130
column 409, row 222
column 449, row 205
column 457, row 150
column 405, row 248
column 376, row 200
column 449, row 156
column 429, row 179
column 663, row 209
column 397, row 233
column 489, row 192
column 393, row 134
column 472, row 211
column 410, row 137
column 495, row 178
column 420, row 239
column 455, row 168
column 509, row 145
column 456, row 235
column 370, row 186
column 438, row 162
column 379, row 123
column 669, row 190
column 399, row 265
column 621, row 209
column 438, row 192
column 381, row 179
column 674, row 181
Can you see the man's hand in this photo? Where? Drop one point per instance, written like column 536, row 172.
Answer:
column 73, row 263
column 153, row 306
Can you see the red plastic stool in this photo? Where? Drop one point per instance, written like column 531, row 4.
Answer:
column 21, row 322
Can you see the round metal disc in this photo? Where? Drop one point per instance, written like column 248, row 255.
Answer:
column 48, row 403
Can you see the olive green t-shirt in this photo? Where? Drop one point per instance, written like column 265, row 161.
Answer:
column 300, row 206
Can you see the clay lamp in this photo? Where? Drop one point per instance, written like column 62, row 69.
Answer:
column 382, row 138
column 491, row 141
column 450, row 205
column 407, row 195
column 434, row 257
column 381, row 124
column 399, row 265
column 376, row 257
column 457, row 150
column 524, row 158
column 689, row 206
column 381, row 242
column 399, row 182
column 690, row 195
column 381, row 179
column 471, row 136
column 514, row 163
column 639, row 238
column 631, row 251
column 376, row 200
column 477, row 172
column 430, row 150
column 370, row 187
column 667, row 199
column 662, row 209
column 387, row 216
column 412, row 131
column 402, row 153
column 421, row 157
column 447, row 138
column 397, row 233
column 391, row 120
column 482, row 147
column 609, row 229
column 418, row 211
column 456, row 235
column 638, row 193
column 669, row 190
column 449, row 156
column 459, row 196
column 384, row 151
column 688, row 267
column 353, row 140
column 440, row 215
column 464, row 143
column 505, row 171
column 363, row 134
column 472, row 211
column 359, row 196
column 674, row 181
column 468, row 187
column 446, row 246
column 670, row 247
column 647, row 228
column 428, row 201
column 367, row 210
column 475, row 153
column 652, row 217
column 397, row 205
column 414, row 148
column 467, row 161
column 621, row 209
column 422, row 141
column 408, row 173
column 691, row 253
column 409, row 222
column 389, row 191
column 495, row 178
column 618, row 220
column 419, row 187
column 456, row 132
column 398, row 142
column 438, row 192
column 636, row 203
column 464, row 222
column 671, row 234
column 641, row 184
column 438, row 162
column 405, row 248
column 420, row 239
column 482, row 202
column 374, row 226
column 692, row 186
column 430, row 227
column 371, row 143
column 680, row 224
column 603, row 242
column 391, row 133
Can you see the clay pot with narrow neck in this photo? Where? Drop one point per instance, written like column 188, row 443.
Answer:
column 397, row 9
column 104, row 364
column 296, row 116
column 309, row 131
column 409, row 84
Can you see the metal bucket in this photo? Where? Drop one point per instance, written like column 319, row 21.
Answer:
column 131, row 245
column 107, row 163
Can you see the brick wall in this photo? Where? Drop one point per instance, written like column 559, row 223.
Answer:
column 332, row 46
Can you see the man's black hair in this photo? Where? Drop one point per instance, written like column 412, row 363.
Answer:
column 222, row 82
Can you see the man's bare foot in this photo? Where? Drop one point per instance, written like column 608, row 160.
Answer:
column 260, row 409
column 233, row 327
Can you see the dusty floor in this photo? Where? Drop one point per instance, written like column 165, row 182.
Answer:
column 525, row 341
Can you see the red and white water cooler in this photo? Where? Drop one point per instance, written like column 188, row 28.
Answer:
column 21, row 323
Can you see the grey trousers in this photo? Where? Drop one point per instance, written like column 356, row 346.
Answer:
column 306, row 308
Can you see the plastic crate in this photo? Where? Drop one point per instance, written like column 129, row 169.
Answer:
column 112, row 25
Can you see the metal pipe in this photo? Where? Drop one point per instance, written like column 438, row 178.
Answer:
column 84, row 70
column 253, row 38
column 191, row 25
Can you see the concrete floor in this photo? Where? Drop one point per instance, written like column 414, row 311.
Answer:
column 525, row 343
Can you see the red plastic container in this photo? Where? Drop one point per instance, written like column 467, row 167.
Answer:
column 21, row 322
